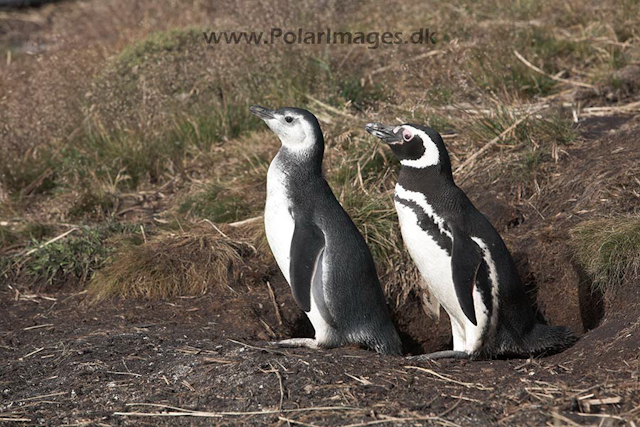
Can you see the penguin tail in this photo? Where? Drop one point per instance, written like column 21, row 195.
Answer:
column 545, row 339
column 384, row 340
column 390, row 345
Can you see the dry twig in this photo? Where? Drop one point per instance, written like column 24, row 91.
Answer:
column 330, row 108
column 412, row 59
column 552, row 77
column 245, row 221
column 182, row 412
column 275, row 303
column 300, row 423
column 447, row 379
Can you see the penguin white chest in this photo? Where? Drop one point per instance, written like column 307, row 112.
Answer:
column 278, row 221
column 433, row 262
column 279, row 226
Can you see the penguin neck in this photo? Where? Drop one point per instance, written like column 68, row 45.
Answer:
column 432, row 181
column 306, row 162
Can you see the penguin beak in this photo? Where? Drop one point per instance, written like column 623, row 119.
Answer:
column 388, row 134
column 263, row 113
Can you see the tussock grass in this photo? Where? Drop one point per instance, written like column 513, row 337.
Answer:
column 360, row 181
column 540, row 45
column 156, row 47
column 565, row 42
column 535, row 131
column 609, row 250
column 235, row 180
column 170, row 265
column 146, row 83
column 376, row 218
column 362, row 174
column 148, row 121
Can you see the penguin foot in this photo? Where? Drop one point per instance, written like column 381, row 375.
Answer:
column 297, row 342
column 447, row 354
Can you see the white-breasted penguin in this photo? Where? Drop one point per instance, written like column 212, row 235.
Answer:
column 461, row 257
column 318, row 248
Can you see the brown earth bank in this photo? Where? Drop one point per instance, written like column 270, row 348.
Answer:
column 69, row 363
column 595, row 178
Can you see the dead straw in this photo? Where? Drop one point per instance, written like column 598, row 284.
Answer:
column 471, row 160
column 552, row 77
column 447, row 379
column 182, row 412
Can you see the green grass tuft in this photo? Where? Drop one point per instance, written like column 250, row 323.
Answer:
column 353, row 91
column 94, row 204
column 155, row 47
column 216, row 204
column 609, row 250
column 362, row 180
column 66, row 262
column 497, row 69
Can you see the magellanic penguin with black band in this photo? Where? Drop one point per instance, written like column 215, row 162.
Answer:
column 463, row 260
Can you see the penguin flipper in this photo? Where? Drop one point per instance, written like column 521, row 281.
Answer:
column 466, row 259
column 317, row 288
column 307, row 247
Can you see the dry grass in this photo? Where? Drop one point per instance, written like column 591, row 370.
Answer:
column 609, row 250
column 169, row 265
column 143, row 107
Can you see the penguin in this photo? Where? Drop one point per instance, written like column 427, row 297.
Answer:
column 462, row 259
column 319, row 250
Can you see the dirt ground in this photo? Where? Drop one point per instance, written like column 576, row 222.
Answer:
column 69, row 363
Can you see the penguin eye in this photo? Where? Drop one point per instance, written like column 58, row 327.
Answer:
column 288, row 119
column 407, row 135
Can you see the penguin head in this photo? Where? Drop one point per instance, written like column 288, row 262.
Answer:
column 297, row 129
column 415, row 146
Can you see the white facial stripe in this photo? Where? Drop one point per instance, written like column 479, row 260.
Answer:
column 421, row 200
column 431, row 156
